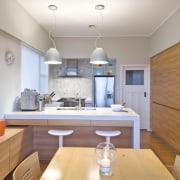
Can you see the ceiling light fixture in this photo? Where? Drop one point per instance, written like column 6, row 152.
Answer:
column 98, row 56
column 52, row 7
column 52, row 56
column 99, row 7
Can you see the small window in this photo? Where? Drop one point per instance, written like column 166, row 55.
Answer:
column 134, row 77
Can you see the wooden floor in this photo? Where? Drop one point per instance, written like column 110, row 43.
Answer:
column 148, row 141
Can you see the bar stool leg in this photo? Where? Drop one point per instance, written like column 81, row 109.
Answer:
column 108, row 139
column 60, row 141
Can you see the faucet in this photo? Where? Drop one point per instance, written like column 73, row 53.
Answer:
column 79, row 106
column 79, row 101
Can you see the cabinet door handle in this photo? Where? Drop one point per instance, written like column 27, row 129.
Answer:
column 145, row 94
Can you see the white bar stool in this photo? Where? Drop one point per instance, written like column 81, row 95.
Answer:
column 60, row 133
column 108, row 134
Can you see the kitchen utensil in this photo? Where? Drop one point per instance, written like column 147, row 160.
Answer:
column 116, row 107
column 123, row 104
column 52, row 94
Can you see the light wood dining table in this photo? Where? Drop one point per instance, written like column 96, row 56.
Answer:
column 76, row 163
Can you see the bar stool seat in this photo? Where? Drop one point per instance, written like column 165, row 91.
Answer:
column 108, row 134
column 60, row 133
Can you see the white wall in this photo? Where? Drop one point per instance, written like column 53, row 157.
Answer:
column 166, row 36
column 16, row 21
column 9, row 74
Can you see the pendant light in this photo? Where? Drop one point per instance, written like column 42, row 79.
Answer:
column 52, row 56
column 98, row 56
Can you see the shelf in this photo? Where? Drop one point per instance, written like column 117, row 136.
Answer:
column 105, row 69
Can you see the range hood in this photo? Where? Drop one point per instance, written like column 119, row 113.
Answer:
column 72, row 67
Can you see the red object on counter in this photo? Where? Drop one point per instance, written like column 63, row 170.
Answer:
column 2, row 127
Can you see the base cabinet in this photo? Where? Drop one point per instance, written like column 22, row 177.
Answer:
column 15, row 145
column 4, row 159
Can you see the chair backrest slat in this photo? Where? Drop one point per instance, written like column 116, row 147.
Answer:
column 27, row 175
column 28, row 169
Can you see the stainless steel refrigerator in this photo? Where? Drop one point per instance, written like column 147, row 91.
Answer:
column 104, row 91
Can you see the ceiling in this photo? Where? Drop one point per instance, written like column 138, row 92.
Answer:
column 119, row 18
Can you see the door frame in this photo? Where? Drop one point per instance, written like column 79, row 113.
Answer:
column 146, row 78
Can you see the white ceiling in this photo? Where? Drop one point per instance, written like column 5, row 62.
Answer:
column 120, row 17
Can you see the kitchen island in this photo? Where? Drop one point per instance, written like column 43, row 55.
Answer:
column 83, row 122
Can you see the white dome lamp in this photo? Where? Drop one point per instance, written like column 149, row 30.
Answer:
column 98, row 56
column 52, row 56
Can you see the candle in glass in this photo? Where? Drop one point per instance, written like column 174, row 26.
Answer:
column 105, row 155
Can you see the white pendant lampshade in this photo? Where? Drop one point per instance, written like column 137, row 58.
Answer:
column 99, row 56
column 52, row 56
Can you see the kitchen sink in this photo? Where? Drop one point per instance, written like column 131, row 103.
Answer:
column 72, row 102
column 76, row 108
column 67, row 108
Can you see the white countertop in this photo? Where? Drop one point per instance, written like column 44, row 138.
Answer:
column 87, row 114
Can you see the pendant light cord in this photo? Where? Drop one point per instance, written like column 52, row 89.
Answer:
column 54, row 28
column 98, row 32
column 98, row 37
column 50, row 37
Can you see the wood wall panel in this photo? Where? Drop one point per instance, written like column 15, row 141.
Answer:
column 165, row 77
column 167, row 60
column 83, row 136
column 165, row 95
column 166, row 122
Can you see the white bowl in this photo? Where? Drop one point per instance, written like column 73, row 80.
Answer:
column 117, row 107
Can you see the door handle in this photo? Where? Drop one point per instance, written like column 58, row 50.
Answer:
column 145, row 94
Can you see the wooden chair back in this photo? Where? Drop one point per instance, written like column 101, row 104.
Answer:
column 176, row 168
column 28, row 169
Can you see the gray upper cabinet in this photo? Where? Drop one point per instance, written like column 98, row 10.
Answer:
column 73, row 68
